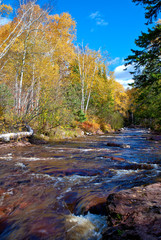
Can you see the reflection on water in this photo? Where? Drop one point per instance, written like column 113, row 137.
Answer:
column 55, row 191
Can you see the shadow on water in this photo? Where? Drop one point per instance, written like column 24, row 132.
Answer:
column 58, row 191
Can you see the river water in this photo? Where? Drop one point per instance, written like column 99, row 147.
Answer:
column 58, row 191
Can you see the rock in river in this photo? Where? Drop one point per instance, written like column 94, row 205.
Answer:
column 113, row 144
column 134, row 214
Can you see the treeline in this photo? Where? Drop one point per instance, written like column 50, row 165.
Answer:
column 47, row 80
column 145, row 96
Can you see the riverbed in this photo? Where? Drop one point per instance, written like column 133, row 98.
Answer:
column 58, row 190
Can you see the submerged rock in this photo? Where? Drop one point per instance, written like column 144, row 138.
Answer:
column 117, row 159
column 154, row 137
column 112, row 144
column 135, row 214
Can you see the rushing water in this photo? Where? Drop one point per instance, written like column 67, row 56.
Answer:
column 54, row 191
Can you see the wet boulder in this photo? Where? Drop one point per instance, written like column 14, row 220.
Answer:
column 154, row 137
column 96, row 205
column 113, row 144
column 134, row 214
column 117, row 159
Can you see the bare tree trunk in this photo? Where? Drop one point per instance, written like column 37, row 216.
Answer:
column 82, row 76
column 21, row 81
column 89, row 95
column 38, row 94
column 16, row 93
column 82, row 101
column 32, row 87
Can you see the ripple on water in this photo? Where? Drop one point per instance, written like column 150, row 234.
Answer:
column 7, row 157
column 46, row 181
column 122, row 172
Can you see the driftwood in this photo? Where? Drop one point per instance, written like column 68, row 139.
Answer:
column 9, row 136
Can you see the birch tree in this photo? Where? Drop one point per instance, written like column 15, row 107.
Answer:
column 88, row 61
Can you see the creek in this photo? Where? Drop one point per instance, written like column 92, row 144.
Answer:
column 57, row 191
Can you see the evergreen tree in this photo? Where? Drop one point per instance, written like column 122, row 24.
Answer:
column 147, row 62
column 147, row 68
column 152, row 8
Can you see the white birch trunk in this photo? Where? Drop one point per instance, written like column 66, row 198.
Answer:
column 89, row 95
column 81, row 72
column 16, row 93
column 21, row 81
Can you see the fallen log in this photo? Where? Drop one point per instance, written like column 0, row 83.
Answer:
column 6, row 137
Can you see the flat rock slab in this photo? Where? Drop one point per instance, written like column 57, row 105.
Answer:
column 135, row 214
column 14, row 144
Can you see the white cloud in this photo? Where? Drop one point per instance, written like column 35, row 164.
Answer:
column 101, row 22
column 95, row 15
column 98, row 18
column 4, row 20
column 124, row 76
column 114, row 61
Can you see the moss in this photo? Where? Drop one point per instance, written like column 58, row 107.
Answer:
column 65, row 133
column 120, row 232
column 119, row 216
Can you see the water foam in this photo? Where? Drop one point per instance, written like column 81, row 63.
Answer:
column 123, row 172
column 18, row 164
column 7, row 157
column 88, row 227
column 33, row 159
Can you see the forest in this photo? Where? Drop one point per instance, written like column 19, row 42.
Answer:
column 50, row 81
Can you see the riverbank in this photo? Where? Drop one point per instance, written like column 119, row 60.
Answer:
column 85, row 128
column 60, row 133
column 55, row 134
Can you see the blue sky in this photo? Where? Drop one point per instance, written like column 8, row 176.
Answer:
column 110, row 25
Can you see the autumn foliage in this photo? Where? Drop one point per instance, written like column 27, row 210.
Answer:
column 48, row 77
